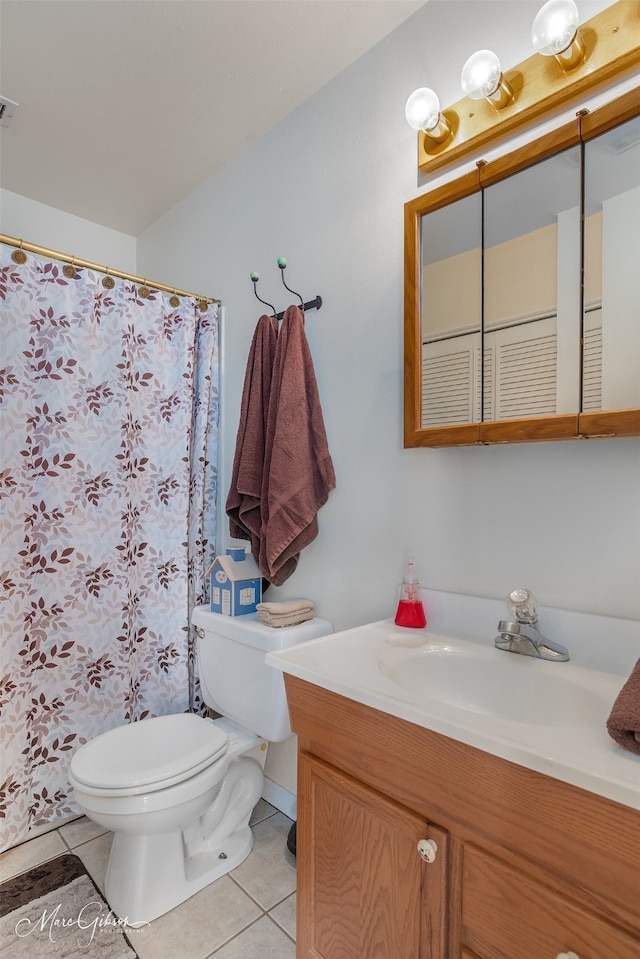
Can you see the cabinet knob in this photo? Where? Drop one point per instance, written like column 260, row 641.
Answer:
column 567, row 955
column 428, row 849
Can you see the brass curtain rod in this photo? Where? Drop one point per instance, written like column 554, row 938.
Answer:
column 75, row 261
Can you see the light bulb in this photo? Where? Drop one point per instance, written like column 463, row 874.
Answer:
column 422, row 112
column 422, row 109
column 555, row 32
column 482, row 79
column 481, row 75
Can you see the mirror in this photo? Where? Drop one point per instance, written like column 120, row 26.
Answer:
column 504, row 342
column 452, row 313
column 611, row 350
column 532, row 303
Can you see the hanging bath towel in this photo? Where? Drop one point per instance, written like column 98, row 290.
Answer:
column 244, row 501
column 298, row 471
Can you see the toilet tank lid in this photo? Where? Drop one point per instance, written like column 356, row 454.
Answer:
column 247, row 630
column 161, row 749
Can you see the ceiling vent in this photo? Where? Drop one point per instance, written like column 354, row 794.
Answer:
column 7, row 111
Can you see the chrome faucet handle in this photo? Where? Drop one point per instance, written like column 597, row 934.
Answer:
column 522, row 606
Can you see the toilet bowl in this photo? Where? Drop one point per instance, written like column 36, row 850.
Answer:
column 177, row 791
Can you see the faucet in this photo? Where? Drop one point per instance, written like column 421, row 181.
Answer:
column 520, row 633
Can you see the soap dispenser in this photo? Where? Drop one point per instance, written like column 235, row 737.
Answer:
column 410, row 609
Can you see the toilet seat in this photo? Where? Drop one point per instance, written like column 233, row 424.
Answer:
column 149, row 755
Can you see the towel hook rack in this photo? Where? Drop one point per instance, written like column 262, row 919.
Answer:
column 254, row 279
column 313, row 304
column 282, row 263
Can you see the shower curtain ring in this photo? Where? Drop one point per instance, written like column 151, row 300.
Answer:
column 19, row 256
column 69, row 269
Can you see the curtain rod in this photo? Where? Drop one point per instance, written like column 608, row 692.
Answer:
column 75, row 261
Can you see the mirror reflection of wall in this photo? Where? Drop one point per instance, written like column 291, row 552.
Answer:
column 611, row 356
column 452, row 313
column 532, row 291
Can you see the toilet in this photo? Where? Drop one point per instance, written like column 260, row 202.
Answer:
column 177, row 791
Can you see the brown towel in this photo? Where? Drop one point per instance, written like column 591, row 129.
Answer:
column 623, row 723
column 244, row 501
column 298, row 472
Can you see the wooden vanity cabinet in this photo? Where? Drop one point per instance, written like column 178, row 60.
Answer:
column 524, row 864
column 364, row 887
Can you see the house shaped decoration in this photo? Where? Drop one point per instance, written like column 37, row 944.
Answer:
column 236, row 583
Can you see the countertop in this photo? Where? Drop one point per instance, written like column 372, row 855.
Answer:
column 349, row 663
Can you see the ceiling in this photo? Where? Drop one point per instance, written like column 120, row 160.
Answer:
column 126, row 106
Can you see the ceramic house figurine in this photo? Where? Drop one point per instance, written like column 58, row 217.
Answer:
column 236, row 583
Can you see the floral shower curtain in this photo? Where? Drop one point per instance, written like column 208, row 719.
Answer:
column 109, row 412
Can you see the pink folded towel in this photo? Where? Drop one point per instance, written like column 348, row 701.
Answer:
column 298, row 471
column 623, row 723
column 244, row 501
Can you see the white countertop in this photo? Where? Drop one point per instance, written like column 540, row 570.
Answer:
column 349, row 663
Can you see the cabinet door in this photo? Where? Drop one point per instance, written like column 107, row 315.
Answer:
column 506, row 914
column 364, row 892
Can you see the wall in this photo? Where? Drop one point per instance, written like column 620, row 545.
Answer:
column 326, row 188
column 45, row 226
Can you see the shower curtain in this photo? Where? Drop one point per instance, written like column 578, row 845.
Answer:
column 109, row 413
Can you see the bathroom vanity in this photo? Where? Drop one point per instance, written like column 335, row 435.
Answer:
column 422, row 837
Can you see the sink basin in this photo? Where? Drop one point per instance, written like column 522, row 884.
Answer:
column 485, row 680
column 549, row 717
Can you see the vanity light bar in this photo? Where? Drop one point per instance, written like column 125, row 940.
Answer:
column 540, row 87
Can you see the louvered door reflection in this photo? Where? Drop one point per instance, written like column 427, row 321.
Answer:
column 592, row 361
column 451, row 381
column 524, row 361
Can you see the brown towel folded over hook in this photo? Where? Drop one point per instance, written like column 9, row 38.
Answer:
column 244, row 501
column 623, row 723
column 298, row 471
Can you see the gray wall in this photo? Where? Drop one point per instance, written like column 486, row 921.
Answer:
column 326, row 188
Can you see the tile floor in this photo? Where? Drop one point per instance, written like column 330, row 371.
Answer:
column 247, row 914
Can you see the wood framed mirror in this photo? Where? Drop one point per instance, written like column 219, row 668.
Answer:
column 522, row 304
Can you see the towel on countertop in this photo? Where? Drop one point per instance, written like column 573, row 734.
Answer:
column 623, row 723
column 298, row 470
column 288, row 613
column 244, row 501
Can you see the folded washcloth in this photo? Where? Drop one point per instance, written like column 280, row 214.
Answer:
column 623, row 723
column 292, row 619
column 287, row 607
column 288, row 613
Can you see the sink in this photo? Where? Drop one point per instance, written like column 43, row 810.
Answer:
column 485, row 680
column 549, row 717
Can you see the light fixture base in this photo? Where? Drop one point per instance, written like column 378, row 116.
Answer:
column 541, row 88
column 441, row 132
column 502, row 96
column 573, row 55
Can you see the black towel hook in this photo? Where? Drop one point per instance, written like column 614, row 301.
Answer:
column 282, row 263
column 254, row 279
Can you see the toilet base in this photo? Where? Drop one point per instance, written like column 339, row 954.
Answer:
column 149, row 875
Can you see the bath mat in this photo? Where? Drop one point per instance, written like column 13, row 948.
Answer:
column 55, row 911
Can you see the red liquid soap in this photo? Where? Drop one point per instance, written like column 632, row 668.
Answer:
column 410, row 609
column 410, row 614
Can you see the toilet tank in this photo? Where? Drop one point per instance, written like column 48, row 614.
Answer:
column 234, row 678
